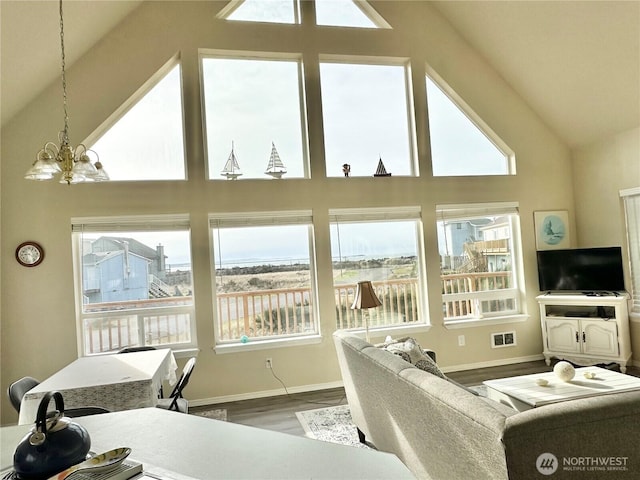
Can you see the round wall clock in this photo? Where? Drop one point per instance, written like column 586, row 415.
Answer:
column 29, row 254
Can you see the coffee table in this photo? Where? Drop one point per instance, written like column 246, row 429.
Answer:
column 523, row 392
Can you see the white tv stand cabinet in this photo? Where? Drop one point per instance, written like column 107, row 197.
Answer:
column 586, row 329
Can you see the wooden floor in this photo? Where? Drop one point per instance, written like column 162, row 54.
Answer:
column 279, row 413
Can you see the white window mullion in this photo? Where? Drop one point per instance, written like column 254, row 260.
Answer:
column 631, row 199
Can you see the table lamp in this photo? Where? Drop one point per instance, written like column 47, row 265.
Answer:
column 365, row 299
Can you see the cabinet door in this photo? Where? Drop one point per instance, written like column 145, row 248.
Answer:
column 600, row 337
column 562, row 335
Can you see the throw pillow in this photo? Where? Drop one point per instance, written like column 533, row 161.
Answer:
column 409, row 350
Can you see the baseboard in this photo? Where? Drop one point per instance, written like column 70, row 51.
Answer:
column 264, row 393
column 492, row 363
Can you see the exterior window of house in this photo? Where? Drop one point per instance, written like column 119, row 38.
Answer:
column 348, row 13
column 368, row 114
column 264, row 276
column 133, row 282
column 479, row 261
column 269, row 11
column 339, row 13
column 461, row 143
column 144, row 139
column 631, row 198
column 384, row 247
column 254, row 117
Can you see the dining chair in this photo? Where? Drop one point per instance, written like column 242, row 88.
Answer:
column 136, row 349
column 176, row 401
column 18, row 388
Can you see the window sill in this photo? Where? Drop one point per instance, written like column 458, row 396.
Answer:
column 185, row 352
column 395, row 331
column 483, row 322
column 267, row 344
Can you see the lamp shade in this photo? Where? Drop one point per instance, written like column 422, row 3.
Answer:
column 365, row 296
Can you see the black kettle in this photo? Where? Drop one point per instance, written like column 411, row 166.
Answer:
column 54, row 444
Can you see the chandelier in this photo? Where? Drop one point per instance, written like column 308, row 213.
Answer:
column 68, row 164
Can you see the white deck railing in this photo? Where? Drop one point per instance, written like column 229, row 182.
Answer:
column 270, row 313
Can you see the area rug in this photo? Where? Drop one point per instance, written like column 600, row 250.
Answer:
column 330, row 424
column 214, row 413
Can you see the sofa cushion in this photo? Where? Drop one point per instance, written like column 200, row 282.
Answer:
column 409, row 350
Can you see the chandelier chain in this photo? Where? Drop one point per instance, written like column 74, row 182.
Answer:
column 65, row 133
column 69, row 164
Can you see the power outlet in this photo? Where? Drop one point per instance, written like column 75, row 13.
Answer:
column 268, row 363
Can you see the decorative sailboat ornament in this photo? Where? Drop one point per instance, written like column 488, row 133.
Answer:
column 231, row 169
column 381, row 171
column 275, row 168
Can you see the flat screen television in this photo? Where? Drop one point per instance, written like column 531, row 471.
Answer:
column 581, row 270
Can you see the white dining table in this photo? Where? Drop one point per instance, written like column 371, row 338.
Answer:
column 114, row 381
column 193, row 447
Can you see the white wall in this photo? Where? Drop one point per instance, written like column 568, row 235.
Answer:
column 600, row 171
column 38, row 318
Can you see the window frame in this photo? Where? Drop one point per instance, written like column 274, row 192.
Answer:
column 367, row 60
column 204, row 53
column 516, row 292
column 159, row 223
column 474, row 118
column 391, row 214
column 631, row 200
column 257, row 219
column 131, row 102
column 364, row 6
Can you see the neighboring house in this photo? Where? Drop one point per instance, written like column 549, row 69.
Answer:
column 117, row 269
column 478, row 245
column 495, row 245
column 156, row 257
column 115, row 276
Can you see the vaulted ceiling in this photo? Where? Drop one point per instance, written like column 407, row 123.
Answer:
column 577, row 63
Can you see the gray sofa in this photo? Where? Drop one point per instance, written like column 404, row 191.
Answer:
column 443, row 431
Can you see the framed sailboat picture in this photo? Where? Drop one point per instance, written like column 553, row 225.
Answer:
column 552, row 230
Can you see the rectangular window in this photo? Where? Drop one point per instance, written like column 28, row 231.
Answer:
column 479, row 258
column 264, row 276
column 384, row 247
column 631, row 198
column 254, row 116
column 133, row 282
column 368, row 112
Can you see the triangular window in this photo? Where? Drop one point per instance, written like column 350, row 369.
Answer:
column 461, row 144
column 270, row 11
column 348, row 13
column 337, row 13
column 145, row 137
